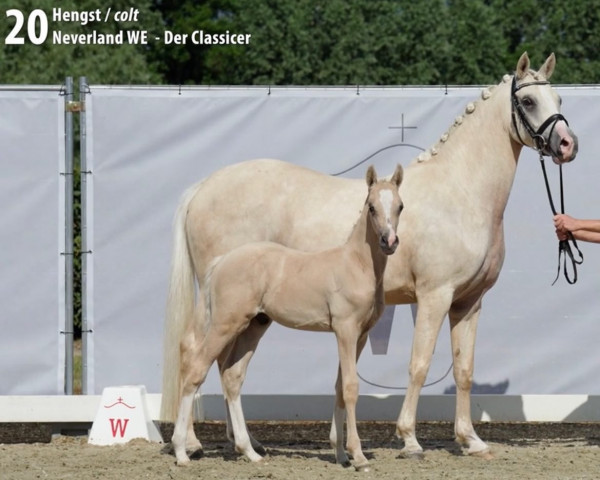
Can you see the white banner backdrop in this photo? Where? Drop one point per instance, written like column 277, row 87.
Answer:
column 147, row 145
column 32, row 144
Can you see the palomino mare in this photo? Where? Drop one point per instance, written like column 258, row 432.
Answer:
column 339, row 290
column 452, row 245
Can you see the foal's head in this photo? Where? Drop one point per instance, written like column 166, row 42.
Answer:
column 384, row 204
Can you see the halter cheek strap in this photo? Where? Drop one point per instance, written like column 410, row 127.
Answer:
column 517, row 110
column 564, row 247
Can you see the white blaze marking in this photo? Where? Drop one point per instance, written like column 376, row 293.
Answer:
column 386, row 197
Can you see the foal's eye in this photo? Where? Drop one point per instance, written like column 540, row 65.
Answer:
column 371, row 208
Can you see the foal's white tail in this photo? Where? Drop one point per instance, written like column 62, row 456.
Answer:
column 180, row 309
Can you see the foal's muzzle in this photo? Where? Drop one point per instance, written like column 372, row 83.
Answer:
column 387, row 247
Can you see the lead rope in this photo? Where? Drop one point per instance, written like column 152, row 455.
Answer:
column 564, row 246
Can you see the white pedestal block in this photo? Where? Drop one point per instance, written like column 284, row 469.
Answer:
column 122, row 416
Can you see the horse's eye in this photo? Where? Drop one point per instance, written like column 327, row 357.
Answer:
column 527, row 102
column 400, row 208
column 371, row 208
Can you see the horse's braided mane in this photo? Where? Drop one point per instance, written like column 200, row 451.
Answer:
column 486, row 93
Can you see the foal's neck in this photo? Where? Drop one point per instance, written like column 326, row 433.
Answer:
column 364, row 241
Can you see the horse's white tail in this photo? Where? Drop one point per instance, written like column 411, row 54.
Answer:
column 180, row 309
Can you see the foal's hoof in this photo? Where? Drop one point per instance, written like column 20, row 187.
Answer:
column 193, row 446
column 484, row 454
column 412, row 454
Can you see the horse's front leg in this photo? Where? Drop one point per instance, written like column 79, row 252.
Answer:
column 463, row 329
column 347, row 338
column 430, row 315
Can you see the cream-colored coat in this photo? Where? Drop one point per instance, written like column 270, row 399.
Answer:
column 337, row 290
column 452, row 235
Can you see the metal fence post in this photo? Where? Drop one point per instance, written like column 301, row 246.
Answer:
column 83, row 90
column 68, row 237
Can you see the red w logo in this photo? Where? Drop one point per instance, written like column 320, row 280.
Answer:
column 118, row 425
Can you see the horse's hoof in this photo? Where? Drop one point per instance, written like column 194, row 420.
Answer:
column 196, row 455
column 484, row 454
column 182, row 462
column 363, row 468
column 412, row 454
column 262, row 451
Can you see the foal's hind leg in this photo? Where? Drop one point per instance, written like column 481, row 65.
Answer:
column 463, row 328
column 233, row 372
column 195, row 364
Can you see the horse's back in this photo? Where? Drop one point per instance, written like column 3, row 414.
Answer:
column 270, row 200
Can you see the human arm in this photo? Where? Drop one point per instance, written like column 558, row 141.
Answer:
column 584, row 230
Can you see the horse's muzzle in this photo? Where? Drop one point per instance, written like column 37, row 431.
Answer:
column 563, row 144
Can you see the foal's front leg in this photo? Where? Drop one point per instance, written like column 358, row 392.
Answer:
column 336, row 435
column 348, row 348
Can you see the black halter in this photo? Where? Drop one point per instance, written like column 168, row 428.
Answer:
column 564, row 247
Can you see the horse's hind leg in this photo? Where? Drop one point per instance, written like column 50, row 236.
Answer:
column 463, row 328
column 190, row 341
column 233, row 373
column 430, row 314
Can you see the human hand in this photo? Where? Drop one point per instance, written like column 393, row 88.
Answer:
column 564, row 223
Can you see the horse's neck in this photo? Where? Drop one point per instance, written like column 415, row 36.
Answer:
column 363, row 242
column 479, row 152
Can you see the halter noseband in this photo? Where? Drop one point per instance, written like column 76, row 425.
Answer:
column 564, row 247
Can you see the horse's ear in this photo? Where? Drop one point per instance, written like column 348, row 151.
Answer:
column 548, row 67
column 397, row 176
column 522, row 66
column 371, row 176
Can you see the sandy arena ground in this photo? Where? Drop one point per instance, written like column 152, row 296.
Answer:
column 299, row 450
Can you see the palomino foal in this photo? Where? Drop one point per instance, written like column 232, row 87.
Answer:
column 339, row 290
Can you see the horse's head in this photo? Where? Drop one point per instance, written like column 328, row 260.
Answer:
column 536, row 118
column 385, row 205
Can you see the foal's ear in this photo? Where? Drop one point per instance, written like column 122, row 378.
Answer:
column 548, row 67
column 371, row 176
column 398, row 175
column 522, row 66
